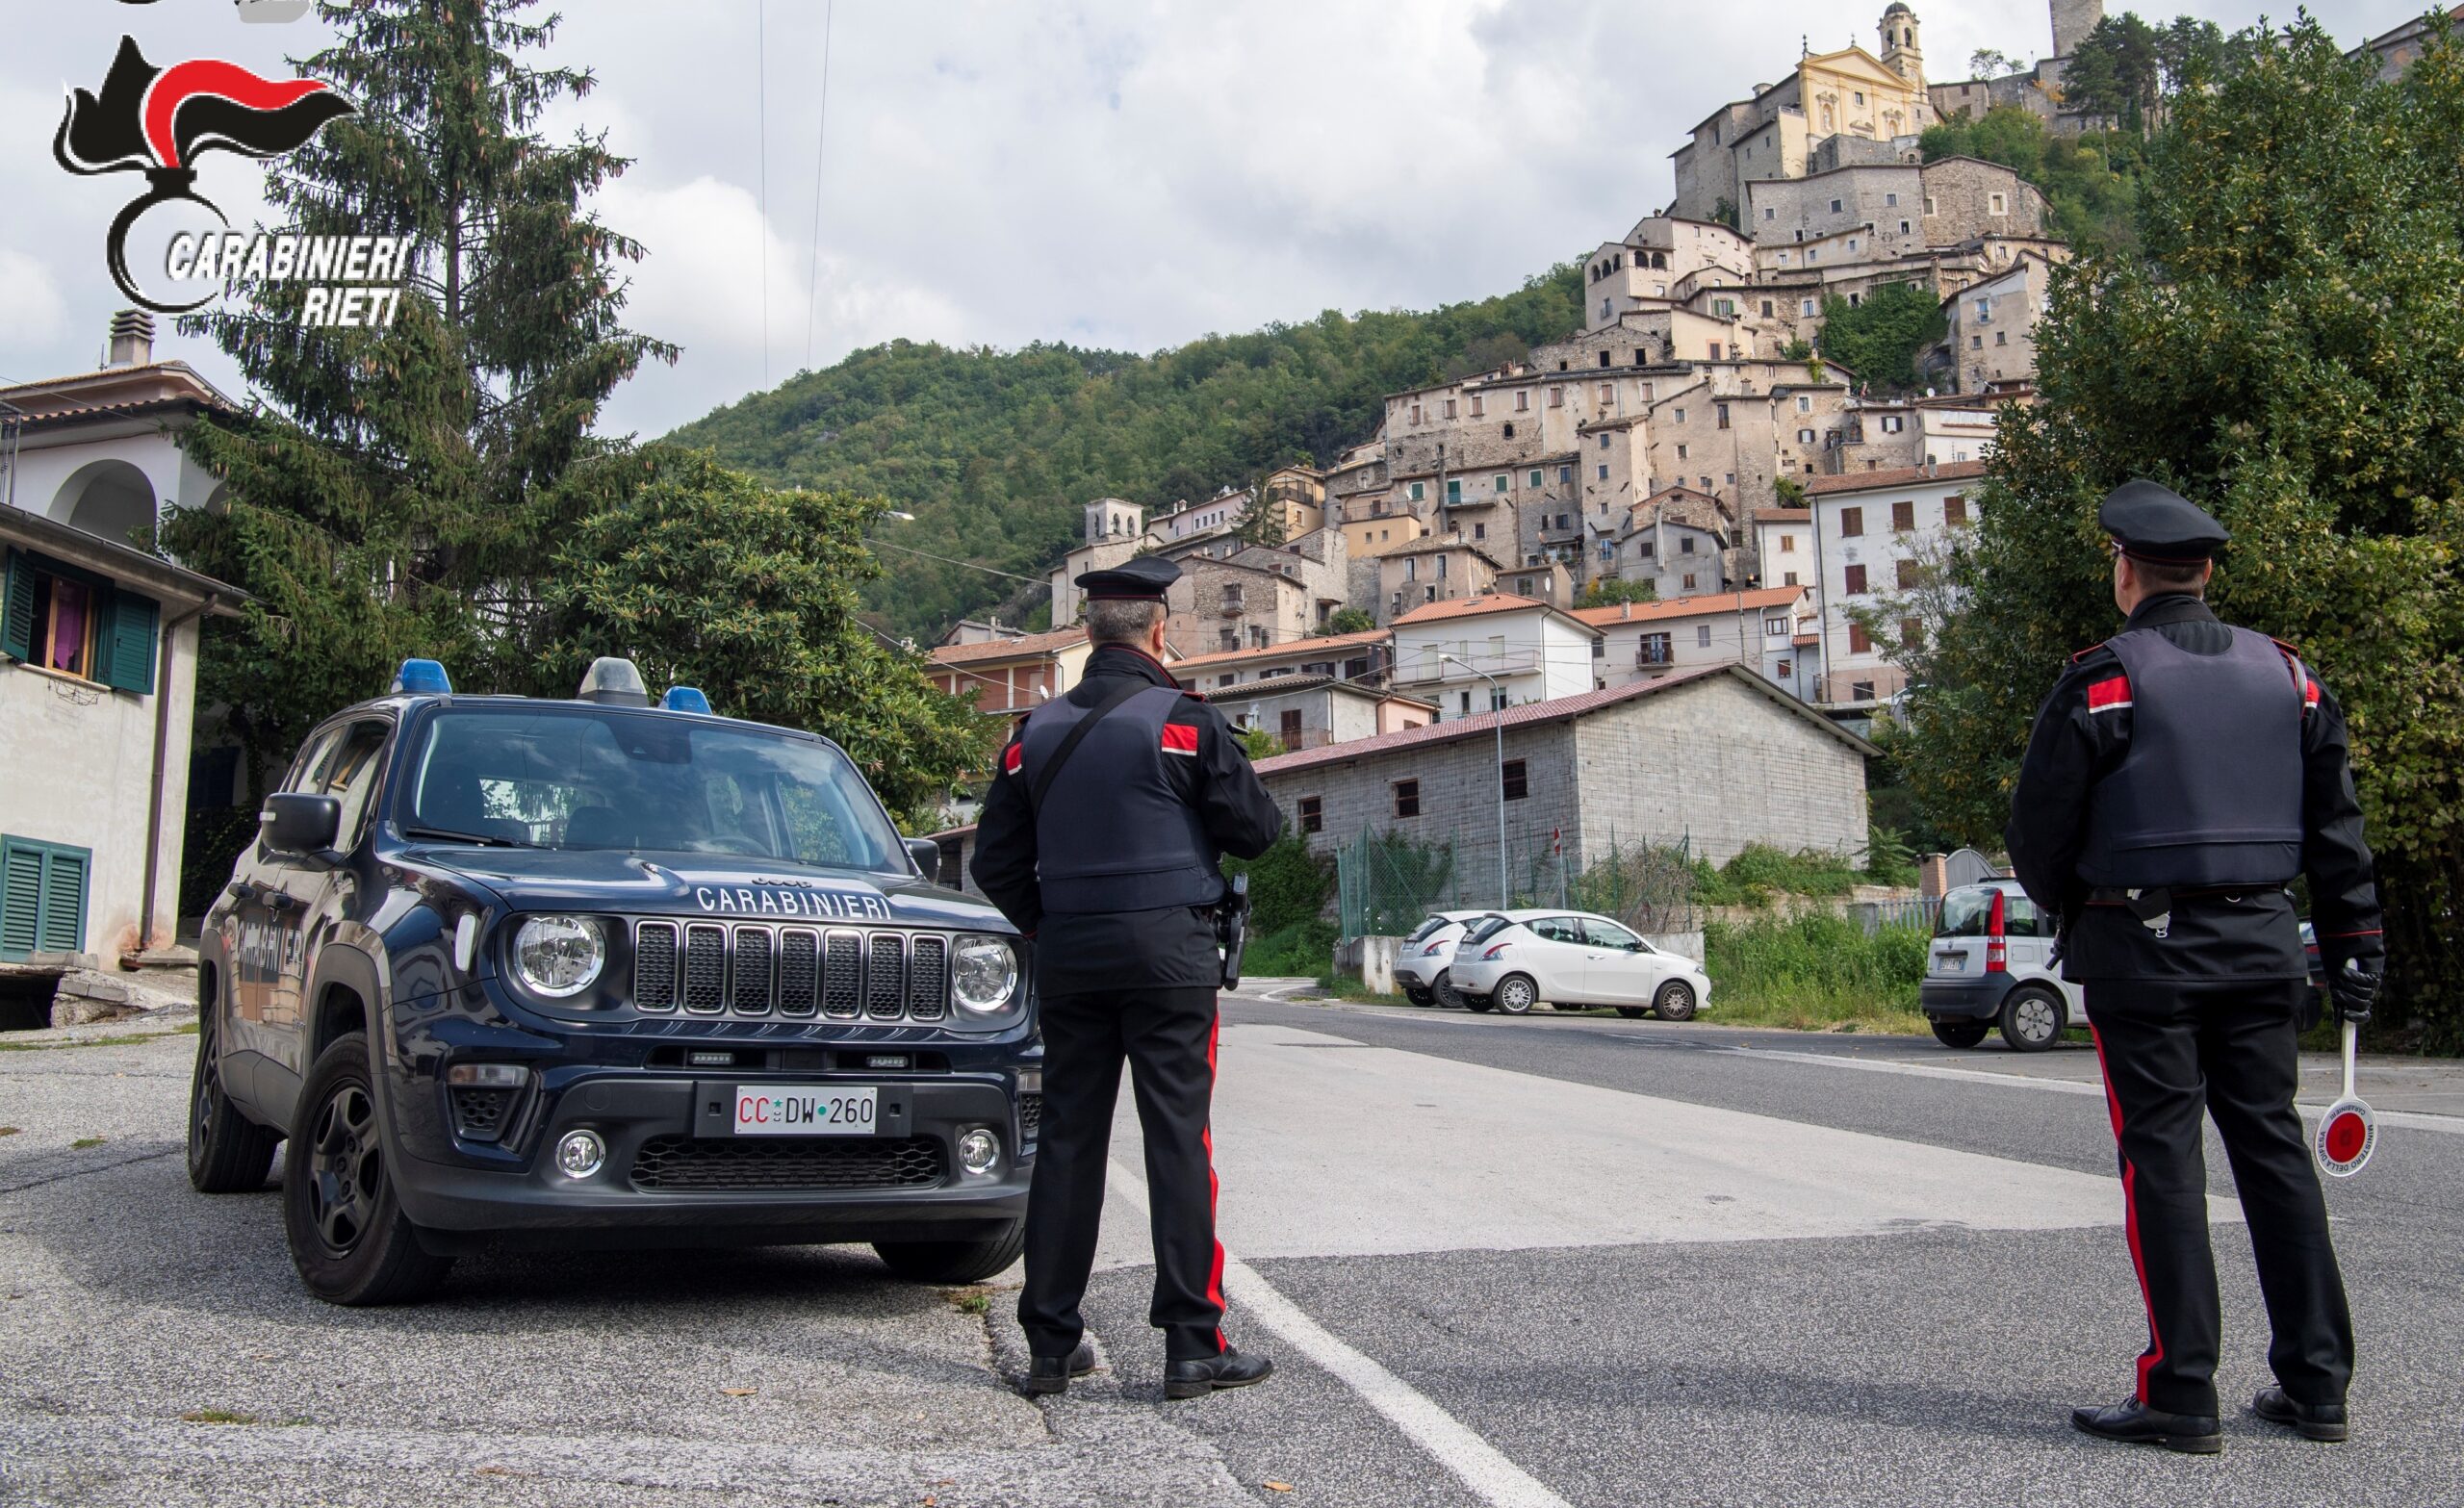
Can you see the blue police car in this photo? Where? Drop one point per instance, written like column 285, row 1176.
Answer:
column 503, row 969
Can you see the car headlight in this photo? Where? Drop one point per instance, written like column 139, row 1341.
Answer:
column 983, row 976
column 559, row 956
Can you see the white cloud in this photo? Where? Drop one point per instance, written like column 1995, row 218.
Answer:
column 31, row 309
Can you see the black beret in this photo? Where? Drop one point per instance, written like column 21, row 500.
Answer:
column 2155, row 523
column 1143, row 579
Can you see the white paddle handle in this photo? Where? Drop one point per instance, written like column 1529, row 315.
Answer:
column 2352, row 1030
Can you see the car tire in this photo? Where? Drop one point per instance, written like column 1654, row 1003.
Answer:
column 1961, row 1034
column 1477, row 1005
column 1633, row 1012
column 1674, row 1001
column 1418, row 996
column 349, row 1239
column 1516, row 994
column 2032, row 1019
column 1442, row 989
column 228, row 1153
column 954, row 1262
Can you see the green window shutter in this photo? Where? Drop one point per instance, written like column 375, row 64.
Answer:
column 128, row 644
column 20, row 898
column 63, row 901
column 17, row 608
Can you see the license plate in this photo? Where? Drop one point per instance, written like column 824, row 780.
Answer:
column 1951, row 963
column 805, row 1109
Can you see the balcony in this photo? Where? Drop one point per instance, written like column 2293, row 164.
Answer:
column 1425, row 669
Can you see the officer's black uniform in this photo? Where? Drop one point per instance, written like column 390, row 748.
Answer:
column 1115, row 878
column 2180, row 775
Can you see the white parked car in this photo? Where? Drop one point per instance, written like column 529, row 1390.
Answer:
column 1421, row 962
column 1991, row 965
column 1513, row 961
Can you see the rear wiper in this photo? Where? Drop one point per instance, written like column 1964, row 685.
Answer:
column 479, row 839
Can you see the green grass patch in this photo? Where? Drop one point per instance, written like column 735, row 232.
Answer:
column 1347, row 986
column 83, row 1143
column 125, row 1039
column 218, row 1417
column 1301, row 950
column 1815, row 973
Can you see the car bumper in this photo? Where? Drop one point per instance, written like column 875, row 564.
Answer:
column 673, row 1169
column 1418, row 972
column 1476, row 976
column 1963, row 999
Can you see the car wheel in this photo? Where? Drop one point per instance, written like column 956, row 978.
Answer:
column 1675, row 1001
column 1633, row 1012
column 228, row 1153
column 1516, row 994
column 1477, row 1005
column 954, row 1262
column 2031, row 1019
column 349, row 1239
column 1960, row 1033
column 1442, row 989
column 1417, row 995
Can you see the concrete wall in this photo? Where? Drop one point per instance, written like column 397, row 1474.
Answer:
column 76, row 763
column 1720, row 763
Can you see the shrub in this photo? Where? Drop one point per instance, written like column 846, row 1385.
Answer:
column 1288, row 885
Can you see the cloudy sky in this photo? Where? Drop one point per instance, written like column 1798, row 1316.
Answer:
column 1110, row 173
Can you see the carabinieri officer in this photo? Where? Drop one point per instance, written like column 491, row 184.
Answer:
column 1100, row 840
column 2179, row 777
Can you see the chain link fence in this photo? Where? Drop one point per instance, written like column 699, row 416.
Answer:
column 1385, row 883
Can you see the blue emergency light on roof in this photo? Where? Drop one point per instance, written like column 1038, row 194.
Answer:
column 422, row 678
column 685, row 699
column 613, row 682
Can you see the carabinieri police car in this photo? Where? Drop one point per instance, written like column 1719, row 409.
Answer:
column 503, row 969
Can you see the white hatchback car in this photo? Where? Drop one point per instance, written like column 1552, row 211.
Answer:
column 1512, row 961
column 1420, row 962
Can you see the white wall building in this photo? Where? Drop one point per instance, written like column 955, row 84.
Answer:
column 1757, row 630
column 1875, row 534
column 1473, row 655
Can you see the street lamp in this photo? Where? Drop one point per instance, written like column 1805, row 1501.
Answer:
column 1504, row 896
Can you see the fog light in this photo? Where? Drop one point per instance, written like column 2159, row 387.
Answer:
column 978, row 1150
column 581, row 1154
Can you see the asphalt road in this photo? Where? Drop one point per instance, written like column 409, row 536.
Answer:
column 1575, row 1260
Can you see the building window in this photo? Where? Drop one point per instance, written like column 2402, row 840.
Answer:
column 1912, row 634
column 61, row 619
column 1643, row 549
column 1722, row 411
column 1501, row 482
column 1686, row 545
column 1556, row 397
column 1516, row 786
column 1903, row 516
column 1599, row 647
column 1771, row 214
column 1856, row 583
column 1908, row 571
column 1565, row 473
column 1702, row 636
column 1784, row 670
column 1788, row 544
column 1227, row 640
column 1929, row 204
column 1996, row 204
column 1479, row 531
column 1835, row 206
column 1806, row 308
column 1681, row 452
column 1976, row 343
column 1903, row 227
column 1651, row 649
column 1521, row 400
column 1288, row 728
column 1603, row 471
column 1416, row 413
column 2001, row 337
column 1805, row 437
column 43, row 897
column 1954, row 511
column 1455, row 489
column 1476, row 405
column 1312, row 814
column 1776, row 627
column 1420, row 491
column 1860, row 642
column 1766, row 309
column 1604, row 361
column 1689, row 584
column 1681, row 415
column 1535, row 477
column 1791, row 579
column 1407, row 795
column 1860, row 691
column 1893, row 423
column 1852, row 522
column 1890, row 201
column 1231, row 597
column 1449, row 408
column 1509, row 431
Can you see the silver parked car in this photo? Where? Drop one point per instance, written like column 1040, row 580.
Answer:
column 1421, row 962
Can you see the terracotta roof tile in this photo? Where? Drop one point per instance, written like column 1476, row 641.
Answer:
column 1469, row 607
column 1022, row 648
column 1896, row 477
column 1690, row 607
column 1330, row 641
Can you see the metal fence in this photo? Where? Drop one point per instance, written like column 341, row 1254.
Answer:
column 1385, row 883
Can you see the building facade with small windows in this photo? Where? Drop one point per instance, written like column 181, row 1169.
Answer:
column 98, row 699
column 1011, row 675
column 1315, row 711
column 1341, row 657
column 1716, row 758
column 1644, row 641
column 1476, row 654
column 1439, row 569
column 1989, row 327
column 1877, row 537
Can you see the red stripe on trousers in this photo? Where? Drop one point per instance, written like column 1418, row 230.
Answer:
column 1213, row 1184
column 2155, row 1351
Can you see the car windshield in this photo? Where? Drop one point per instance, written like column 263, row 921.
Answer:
column 1486, row 927
column 1964, row 912
column 1422, row 932
column 611, row 778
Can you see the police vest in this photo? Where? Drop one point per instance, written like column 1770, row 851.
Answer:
column 2210, row 790
column 1112, row 834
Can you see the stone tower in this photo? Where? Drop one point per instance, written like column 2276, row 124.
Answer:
column 1901, row 51
column 2072, row 22
column 1112, row 519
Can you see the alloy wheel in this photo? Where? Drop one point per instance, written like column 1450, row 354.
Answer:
column 347, row 1169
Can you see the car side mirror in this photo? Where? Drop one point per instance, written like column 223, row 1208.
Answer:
column 927, row 855
column 299, row 823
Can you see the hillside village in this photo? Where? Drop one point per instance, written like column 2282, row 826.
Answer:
column 1691, row 457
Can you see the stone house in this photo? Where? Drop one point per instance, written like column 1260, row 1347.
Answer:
column 1894, row 208
column 1784, row 546
column 1488, row 652
column 1874, row 535
column 1314, row 711
column 1218, row 605
column 1341, row 656
column 1440, row 569
column 1990, row 326
column 1757, row 630
column 1717, row 758
column 1678, row 540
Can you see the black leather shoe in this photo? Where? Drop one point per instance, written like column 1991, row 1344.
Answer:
column 1052, row 1373
column 2315, row 1420
column 1196, row 1379
column 2134, row 1421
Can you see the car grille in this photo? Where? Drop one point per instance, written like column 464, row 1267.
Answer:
column 478, row 1113
column 1030, row 1117
column 671, row 1164
column 758, row 969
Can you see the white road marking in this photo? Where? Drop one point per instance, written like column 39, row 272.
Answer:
column 1478, row 1464
column 2446, row 1125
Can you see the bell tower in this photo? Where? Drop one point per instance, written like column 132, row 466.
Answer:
column 2072, row 22
column 1901, row 51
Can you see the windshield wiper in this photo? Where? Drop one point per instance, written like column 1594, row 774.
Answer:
column 479, row 839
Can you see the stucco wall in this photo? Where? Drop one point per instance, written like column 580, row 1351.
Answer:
column 76, row 763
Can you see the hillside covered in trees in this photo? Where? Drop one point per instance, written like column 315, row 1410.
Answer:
column 996, row 451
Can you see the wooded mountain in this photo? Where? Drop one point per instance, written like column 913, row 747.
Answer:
column 996, row 452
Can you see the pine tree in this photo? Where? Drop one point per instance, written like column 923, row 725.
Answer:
column 390, row 492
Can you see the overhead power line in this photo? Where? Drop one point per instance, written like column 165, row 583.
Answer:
column 812, row 282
